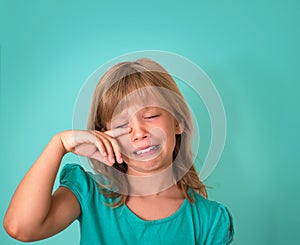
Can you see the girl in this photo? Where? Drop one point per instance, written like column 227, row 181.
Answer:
column 145, row 189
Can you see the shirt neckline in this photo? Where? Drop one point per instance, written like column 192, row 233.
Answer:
column 139, row 220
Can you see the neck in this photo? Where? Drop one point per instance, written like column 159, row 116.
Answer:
column 154, row 184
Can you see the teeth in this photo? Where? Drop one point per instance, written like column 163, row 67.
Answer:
column 146, row 150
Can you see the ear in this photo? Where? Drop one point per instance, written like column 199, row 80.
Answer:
column 179, row 127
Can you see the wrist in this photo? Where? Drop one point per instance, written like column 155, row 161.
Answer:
column 58, row 141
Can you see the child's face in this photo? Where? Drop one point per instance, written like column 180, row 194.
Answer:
column 148, row 147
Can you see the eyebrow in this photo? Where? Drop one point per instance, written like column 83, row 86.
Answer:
column 151, row 108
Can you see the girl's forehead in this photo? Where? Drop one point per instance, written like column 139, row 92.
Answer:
column 134, row 102
column 142, row 99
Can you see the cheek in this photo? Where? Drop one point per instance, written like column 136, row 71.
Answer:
column 124, row 142
column 158, row 135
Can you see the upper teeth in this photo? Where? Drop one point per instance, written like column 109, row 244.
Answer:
column 146, row 150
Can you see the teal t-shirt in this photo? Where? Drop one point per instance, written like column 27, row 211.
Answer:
column 204, row 222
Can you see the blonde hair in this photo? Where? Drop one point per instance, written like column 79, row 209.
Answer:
column 118, row 82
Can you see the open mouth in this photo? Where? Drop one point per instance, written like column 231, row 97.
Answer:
column 146, row 150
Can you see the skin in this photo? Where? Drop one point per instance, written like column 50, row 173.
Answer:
column 144, row 124
column 150, row 126
column 45, row 214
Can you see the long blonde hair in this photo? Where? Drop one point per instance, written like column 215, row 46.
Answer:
column 121, row 80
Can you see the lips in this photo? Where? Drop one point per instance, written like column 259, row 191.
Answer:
column 146, row 150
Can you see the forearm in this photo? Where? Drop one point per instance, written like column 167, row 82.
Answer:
column 32, row 200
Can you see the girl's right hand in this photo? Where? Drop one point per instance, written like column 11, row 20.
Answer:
column 101, row 146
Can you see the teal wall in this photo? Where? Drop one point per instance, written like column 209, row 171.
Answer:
column 250, row 49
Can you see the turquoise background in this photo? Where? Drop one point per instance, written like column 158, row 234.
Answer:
column 250, row 49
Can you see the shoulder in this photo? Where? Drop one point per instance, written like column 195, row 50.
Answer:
column 215, row 220
column 71, row 169
column 85, row 185
column 75, row 178
column 74, row 174
column 206, row 209
column 206, row 206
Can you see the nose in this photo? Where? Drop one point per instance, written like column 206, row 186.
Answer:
column 139, row 130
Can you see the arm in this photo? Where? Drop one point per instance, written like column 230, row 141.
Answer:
column 34, row 213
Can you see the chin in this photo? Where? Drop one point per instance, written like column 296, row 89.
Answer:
column 146, row 167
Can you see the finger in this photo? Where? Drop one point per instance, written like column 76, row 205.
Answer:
column 101, row 142
column 101, row 147
column 108, row 148
column 115, row 146
column 117, row 151
column 117, row 132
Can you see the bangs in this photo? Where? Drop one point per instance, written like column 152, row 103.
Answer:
column 138, row 88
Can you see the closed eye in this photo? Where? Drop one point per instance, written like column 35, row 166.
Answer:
column 151, row 116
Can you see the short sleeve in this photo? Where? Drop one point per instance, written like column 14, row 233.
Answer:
column 222, row 229
column 74, row 178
